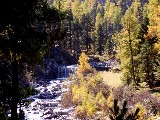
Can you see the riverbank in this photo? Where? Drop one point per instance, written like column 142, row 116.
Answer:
column 47, row 103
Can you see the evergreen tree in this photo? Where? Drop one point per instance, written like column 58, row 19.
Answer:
column 98, row 33
column 128, row 46
column 147, row 54
column 111, row 22
column 86, row 22
column 24, row 41
column 153, row 39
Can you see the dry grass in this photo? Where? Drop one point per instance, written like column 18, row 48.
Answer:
column 112, row 79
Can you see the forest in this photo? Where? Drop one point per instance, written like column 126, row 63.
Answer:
column 127, row 29
column 126, row 32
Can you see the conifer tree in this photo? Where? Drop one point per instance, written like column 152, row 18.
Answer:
column 147, row 55
column 153, row 13
column 24, row 41
column 128, row 46
column 112, row 17
column 98, row 33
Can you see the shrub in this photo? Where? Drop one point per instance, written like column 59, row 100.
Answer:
column 66, row 99
column 150, row 102
column 89, row 105
column 87, row 108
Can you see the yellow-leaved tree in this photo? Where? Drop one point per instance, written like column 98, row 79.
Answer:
column 83, row 67
column 154, row 33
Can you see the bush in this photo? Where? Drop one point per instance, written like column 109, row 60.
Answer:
column 66, row 100
column 151, row 103
column 80, row 112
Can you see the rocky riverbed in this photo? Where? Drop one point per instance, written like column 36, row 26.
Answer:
column 47, row 104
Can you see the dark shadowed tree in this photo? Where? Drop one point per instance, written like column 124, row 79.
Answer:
column 25, row 27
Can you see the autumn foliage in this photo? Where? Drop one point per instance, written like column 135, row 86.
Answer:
column 83, row 67
column 93, row 99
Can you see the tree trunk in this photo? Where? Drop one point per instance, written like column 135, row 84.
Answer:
column 77, row 43
column 100, row 40
column 94, row 44
column 100, row 46
column 87, row 42
column 70, row 35
column 106, row 37
column 132, row 61
column 15, row 84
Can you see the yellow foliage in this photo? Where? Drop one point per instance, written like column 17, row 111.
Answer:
column 83, row 81
column 83, row 64
column 152, row 32
column 75, row 92
column 92, row 82
column 157, row 47
column 98, row 77
column 74, row 88
column 83, row 93
column 110, row 100
column 100, row 99
column 151, row 118
column 89, row 104
column 91, row 108
column 87, row 108
column 79, row 93
column 141, row 112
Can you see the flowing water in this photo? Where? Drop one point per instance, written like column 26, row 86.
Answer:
column 47, row 104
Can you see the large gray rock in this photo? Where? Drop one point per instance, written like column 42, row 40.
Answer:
column 47, row 95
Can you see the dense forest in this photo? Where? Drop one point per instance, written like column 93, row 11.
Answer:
column 127, row 30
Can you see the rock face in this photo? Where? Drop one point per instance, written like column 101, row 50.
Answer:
column 47, row 104
column 107, row 65
column 62, row 57
column 56, row 59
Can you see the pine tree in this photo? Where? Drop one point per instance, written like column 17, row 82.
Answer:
column 23, row 41
column 153, row 8
column 128, row 46
column 147, row 54
column 111, row 22
column 98, row 33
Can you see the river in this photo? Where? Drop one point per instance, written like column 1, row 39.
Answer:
column 46, row 104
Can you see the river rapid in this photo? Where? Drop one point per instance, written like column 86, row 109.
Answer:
column 46, row 104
